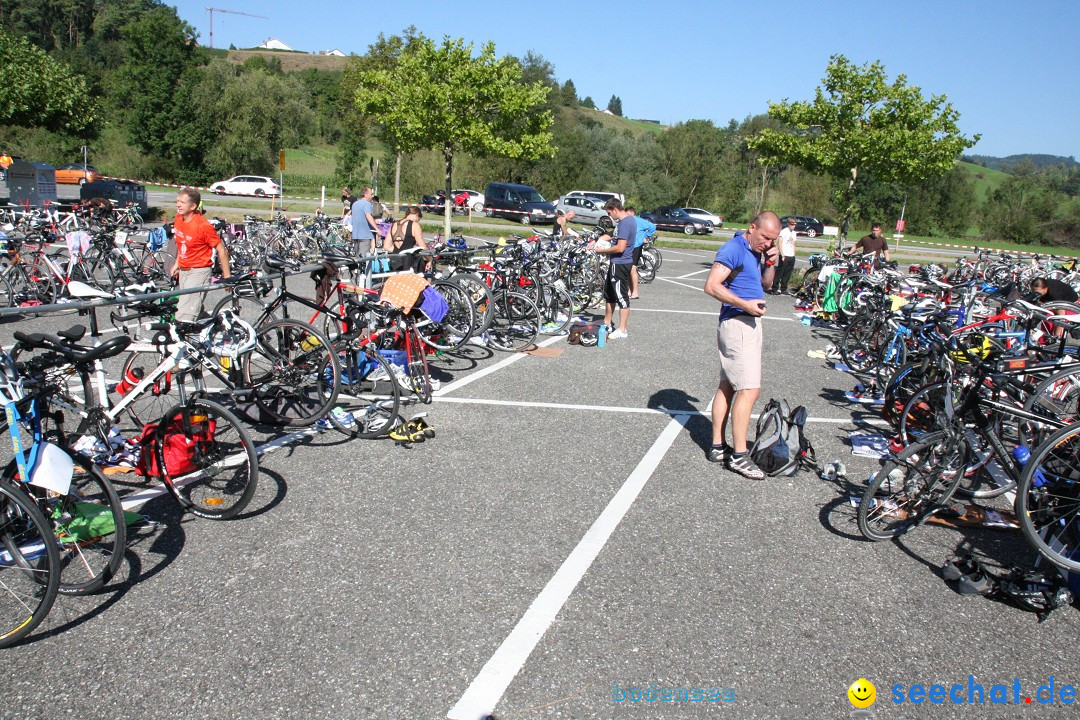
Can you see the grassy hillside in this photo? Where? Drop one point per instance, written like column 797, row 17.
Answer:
column 292, row 61
column 986, row 180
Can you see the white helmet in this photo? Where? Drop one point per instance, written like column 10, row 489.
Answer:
column 11, row 384
column 228, row 335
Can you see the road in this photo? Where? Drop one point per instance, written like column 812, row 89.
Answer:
column 561, row 543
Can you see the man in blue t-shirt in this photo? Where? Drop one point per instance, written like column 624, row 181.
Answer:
column 617, row 281
column 738, row 280
column 645, row 229
column 363, row 223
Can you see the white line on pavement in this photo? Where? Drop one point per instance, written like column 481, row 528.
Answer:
column 676, row 282
column 696, row 272
column 492, row 368
column 696, row 255
column 488, row 687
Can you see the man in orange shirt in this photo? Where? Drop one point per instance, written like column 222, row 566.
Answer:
column 196, row 240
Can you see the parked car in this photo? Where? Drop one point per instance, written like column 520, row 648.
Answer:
column 667, row 217
column 804, row 225
column 716, row 220
column 517, row 202
column 76, row 174
column 603, row 196
column 587, row 210
column 247, row 185
column 476, row 199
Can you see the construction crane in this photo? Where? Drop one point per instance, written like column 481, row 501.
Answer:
column 212, row 10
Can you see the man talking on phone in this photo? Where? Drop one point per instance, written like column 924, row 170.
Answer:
column 744, row 266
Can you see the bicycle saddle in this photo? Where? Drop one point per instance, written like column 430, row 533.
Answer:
column 277, row 262
column 339, row 258
column 73, row 334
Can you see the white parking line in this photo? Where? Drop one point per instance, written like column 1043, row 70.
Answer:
column 676, row 282
column 481, row 697
column 492, row 368
column 696, row 272
column 707, row 253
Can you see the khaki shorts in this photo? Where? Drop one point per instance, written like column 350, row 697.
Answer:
column 739, row 341
column 189, row 307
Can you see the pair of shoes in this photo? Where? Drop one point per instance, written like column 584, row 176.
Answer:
column 617, row 335
column 633, row 297
column 743, row 465
column 719, row 454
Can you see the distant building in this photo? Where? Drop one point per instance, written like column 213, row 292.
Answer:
column 274, row 44
column 335, row 52
column 607, row 112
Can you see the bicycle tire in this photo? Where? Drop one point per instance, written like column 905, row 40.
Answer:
column 516, row 322
column 154, row 400
column 655, row 254
column 87, row 561
column 34, row 284
column 370, row 396
column 895, row 502
column 456, row 328
column 647, row 269
column 217, row 476
column 1048, row 499
column 251, row 310
column 482, row 301
column 418, row 370
column 293, row 371
column 556, row 308
column 29, row 565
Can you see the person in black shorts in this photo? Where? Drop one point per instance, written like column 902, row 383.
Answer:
column 1051, row 290
column 617, row 282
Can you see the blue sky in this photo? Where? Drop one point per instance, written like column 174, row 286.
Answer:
column 1012, row 69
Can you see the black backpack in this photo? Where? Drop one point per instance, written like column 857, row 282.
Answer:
column 781, row 446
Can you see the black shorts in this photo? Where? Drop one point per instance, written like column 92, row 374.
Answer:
column 617, row 285
column 637, row 255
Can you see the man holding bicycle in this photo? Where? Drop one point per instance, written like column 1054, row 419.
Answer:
column 738, row 279
column 196, row 241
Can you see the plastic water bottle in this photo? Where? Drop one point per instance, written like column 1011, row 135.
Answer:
column 601, row 335
column 1021, row 454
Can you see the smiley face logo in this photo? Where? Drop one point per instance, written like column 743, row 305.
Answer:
column 862, row 693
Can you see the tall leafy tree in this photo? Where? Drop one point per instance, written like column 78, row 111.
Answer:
column 38, row 91
column 569, row 94
column 614, row 105
column 440, row 96
column 859, row 122
column 691, row 153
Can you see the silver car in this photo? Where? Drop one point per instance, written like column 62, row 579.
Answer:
column 587, row 210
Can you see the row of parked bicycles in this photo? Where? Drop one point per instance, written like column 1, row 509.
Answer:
column 980, row 384
column 131, row 394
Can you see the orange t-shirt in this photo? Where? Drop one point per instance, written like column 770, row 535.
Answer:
column 195, row 239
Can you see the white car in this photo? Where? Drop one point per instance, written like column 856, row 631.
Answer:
column 476, row 199
column 247, row 185
column 716, row 220
column 602, row 195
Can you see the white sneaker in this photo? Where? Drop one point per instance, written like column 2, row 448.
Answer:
column 617, row 335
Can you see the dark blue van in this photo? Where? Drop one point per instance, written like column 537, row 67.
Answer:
column 520, row 203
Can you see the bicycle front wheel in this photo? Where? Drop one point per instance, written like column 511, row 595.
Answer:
column 206, row 459
column 515, row 324
column 294, row 372
column 908, row 488
column 29, row 565
column 1048, row 499
column 370, row 395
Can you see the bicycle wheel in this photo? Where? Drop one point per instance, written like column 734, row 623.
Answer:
column 481, row 299
column 293, row 371
column 652, row 252
column 248, row 308
column 89, row 526
column 33, row 284
column 370, row 395
column 455, row 329
column 417, row 368
column 908, row 488
column 29, row 565
column 516, row 322
column 1048, row 499
column 863, row 342
column 555, row 306
column 206, row 459
column 647, row 269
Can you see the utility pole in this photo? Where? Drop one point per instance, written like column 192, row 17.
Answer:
column 211, row 10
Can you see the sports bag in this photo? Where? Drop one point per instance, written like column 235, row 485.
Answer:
column 179, row 451
column 574, row 336
column 781, row 446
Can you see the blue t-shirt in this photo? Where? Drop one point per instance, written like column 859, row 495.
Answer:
column 626, row 230
column 361, row 230
column 645, row 228
column 735, row 254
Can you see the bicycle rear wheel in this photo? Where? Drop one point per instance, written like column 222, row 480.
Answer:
column 206, row 459
column 294, row 372
column 29, row 565
column 516, row 322
column 455, row 329
column 370, row 395
column 1048, row 499
column 908, row 488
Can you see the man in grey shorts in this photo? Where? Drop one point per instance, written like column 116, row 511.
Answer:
column 743, row 268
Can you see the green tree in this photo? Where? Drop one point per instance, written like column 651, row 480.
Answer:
column 691, row 158
column 858, row 122
column 588, row 102
column 568, row 94
column 614, row 105
column 1022, row 209
column 441, row 97
column 38, row 91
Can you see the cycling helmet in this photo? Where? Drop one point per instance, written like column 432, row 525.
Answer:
column 972, row 347
column 458, row 243
column 11, row 384
column 228, row 335
column 588, row 338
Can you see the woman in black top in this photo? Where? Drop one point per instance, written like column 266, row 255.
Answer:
column 347, row 200
column 405, row 234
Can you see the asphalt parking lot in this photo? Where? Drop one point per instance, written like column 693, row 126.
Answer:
column 561, row 542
